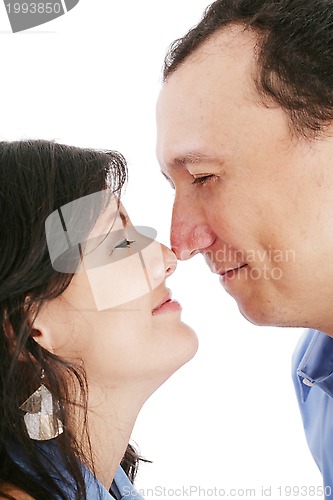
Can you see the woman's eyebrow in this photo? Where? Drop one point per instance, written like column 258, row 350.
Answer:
column 123, row 217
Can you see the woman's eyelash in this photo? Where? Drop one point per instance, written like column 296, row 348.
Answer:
column 202, row 180
column 124, row 243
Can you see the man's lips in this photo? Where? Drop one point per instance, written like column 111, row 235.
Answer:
column 222, row 271
column 230, row 270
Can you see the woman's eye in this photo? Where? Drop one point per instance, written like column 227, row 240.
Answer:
column 202, row 180
column 123, row 244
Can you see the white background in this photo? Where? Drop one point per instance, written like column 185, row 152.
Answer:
column 228, row 419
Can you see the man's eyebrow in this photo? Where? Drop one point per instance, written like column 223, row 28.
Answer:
column 191, row 158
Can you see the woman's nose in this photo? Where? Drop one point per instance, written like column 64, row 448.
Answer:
column 170, row 260
column 160, row 263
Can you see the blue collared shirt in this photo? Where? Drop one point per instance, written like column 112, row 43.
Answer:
column 121, row 488
column 313, row 378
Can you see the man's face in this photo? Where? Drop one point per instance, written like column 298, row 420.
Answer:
column 255, row 201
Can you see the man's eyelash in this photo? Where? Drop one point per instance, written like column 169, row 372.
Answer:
column 202, row 180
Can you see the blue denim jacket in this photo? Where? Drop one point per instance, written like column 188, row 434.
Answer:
column 121, row 488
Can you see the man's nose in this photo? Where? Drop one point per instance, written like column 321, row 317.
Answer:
column 190, row 232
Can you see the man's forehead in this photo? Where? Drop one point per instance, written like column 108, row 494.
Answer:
column 203, row 91
column 234, row 43
column 223, row 62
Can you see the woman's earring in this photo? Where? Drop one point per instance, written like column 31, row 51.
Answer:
column 41, row 415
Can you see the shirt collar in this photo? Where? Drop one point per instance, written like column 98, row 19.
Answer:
column 122, row 488
column 316, row 366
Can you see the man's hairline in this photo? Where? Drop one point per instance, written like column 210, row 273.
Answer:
column 193, row 55
column 256, row 92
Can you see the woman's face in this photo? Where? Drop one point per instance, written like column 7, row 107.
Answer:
column 111, row 317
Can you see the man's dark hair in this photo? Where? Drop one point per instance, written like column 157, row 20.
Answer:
column 295, row 53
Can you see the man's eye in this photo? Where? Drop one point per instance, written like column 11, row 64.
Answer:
column 202, row 180
column 123, row 244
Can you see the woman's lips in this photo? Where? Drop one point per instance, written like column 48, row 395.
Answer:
column 166, row 305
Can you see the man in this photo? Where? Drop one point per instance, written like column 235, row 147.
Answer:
column 245, row 137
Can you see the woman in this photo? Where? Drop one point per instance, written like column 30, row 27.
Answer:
column 89, row 330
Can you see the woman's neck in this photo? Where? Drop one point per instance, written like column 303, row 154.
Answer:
column 111, row 418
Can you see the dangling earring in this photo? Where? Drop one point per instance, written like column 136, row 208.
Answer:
column 40, row 418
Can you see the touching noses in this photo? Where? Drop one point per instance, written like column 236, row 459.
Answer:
column 189, row 232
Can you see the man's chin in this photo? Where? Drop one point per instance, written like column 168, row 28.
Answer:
column 255, row 319
column 264, row 316
column 252, row 300
column 257, row 313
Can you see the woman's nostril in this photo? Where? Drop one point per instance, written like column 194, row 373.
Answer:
column 170, row 268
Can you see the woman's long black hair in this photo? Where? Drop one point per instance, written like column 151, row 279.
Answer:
column 36, row 178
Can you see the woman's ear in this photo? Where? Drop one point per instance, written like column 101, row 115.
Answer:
column 42, row 329
column 52, row 327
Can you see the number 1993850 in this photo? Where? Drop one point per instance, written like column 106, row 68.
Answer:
column 34, row 8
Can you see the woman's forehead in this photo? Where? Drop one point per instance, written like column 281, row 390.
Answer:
column 112, row 216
